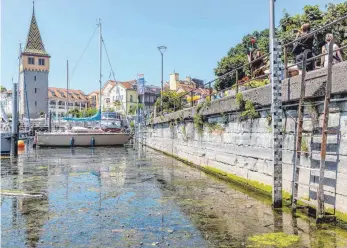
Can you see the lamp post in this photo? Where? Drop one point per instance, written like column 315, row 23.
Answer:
column 162, row 49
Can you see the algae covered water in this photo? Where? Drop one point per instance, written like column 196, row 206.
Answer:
column 118, row 197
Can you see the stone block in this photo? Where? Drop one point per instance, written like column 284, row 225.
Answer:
column 341, row 187
column 260, row 177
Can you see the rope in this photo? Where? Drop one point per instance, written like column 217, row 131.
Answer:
column 85, row 49
column 114, row 78
column 109, row 61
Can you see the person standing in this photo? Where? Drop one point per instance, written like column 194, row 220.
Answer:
column 337, row 57
column 302, row 45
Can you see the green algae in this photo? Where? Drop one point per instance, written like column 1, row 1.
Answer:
column 279, row 240
column 78, row 173
column 263, row 189
column 9, row 191
column 42, row 167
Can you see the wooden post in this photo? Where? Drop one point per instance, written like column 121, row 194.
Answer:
column 296, row 170
column 320, row 208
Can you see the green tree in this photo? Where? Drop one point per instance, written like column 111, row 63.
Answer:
column 2, row 88
column 171, row 101
column 134, row 108
column 91, row 112
column 312, row 14
column 75, row 112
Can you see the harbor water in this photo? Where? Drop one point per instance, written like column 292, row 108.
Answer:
column 119, row 197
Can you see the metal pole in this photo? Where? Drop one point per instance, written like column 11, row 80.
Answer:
column 162, row 81
column 100, row 63
column 285, row 52
column 50, row 121
column 276, row 112
column 14, row 143
column 237, row 79
column 67, row 87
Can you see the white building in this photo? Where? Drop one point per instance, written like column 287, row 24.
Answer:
column 120, row 96
column 58, row 99
column 6, row 101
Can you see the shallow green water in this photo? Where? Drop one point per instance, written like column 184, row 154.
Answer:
column 114, row 197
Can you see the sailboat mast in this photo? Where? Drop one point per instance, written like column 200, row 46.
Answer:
column 100, row 63
column 67, row 87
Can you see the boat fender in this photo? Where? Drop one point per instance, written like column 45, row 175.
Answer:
column 92, row 142
column 72, row 141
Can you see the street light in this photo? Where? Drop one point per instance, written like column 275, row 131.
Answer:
column 162, row 49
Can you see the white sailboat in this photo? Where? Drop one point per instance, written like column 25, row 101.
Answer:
column 79, row 136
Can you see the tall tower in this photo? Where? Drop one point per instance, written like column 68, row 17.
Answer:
column 34, row 74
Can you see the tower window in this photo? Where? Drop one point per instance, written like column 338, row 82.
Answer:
column 31, row 61
column 41, row 61
column 131, row 98
column 35, row 90
column 34, row 78
column 35, row 103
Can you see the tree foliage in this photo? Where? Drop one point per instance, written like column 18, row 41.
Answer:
column 2, row 88
column 134, row 108
column 171, row 101
column 237, row 55
column 85, row 113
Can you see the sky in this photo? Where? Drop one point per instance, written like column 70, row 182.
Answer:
column 197, row 34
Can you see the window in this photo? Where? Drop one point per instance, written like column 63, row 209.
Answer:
column 53, row 93
column 35, row 90
column 41, row 61
column 31, row 61
column 35, row 103
column 34, row 78
column 131, row 98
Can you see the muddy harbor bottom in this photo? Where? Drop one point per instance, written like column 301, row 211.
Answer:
column 116, row 197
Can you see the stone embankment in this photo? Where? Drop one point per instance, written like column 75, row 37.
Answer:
column 225, row 139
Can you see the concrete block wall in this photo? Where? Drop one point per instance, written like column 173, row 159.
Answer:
column 244, row 147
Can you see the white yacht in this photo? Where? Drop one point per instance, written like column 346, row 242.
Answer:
column 80, row 136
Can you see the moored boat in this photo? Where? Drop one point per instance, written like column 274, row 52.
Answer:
column 83, row 137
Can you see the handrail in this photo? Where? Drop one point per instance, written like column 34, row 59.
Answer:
column 317, row 56
column 230, row 72
column 317, row 30
column 286, row 67
column 285, row 51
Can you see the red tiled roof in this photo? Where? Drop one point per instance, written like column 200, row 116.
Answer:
column 94, row 92
column 129, row 85
column 62, row 93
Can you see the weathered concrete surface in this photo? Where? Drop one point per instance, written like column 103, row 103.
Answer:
column 315, row 87
column 244, row 148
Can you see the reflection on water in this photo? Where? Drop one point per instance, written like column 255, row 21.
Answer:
column 116, row 197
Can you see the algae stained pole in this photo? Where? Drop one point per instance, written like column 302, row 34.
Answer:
column 115, row 197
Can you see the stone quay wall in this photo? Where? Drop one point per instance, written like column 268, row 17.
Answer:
column 242, row 147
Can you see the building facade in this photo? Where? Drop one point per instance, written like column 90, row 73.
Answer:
column 61, row 101
column 122, row 97
column 34, row 72
column 6, row 101
column 93, row 99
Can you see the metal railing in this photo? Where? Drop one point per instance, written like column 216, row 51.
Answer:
column 287, row 45
column 235, row 72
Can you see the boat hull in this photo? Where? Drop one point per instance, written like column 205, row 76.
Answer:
column 81, row 139
column 5, row 143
